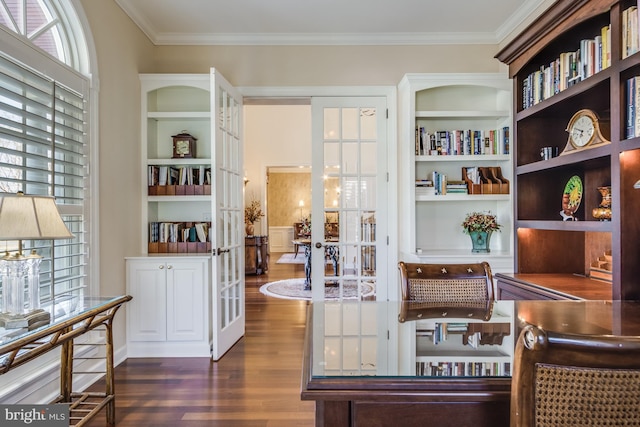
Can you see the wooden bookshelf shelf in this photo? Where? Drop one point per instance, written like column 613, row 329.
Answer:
column 545, row 244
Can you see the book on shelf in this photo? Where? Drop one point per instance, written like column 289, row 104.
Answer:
column 630, row 31
column 424, row 187
column 439, row 183
column 590, row 57
column 459, row 142
column 463, row 369
column 632, row 88
column 163, row 179
column 456, row 187
column 171, row 232
column 179, row 237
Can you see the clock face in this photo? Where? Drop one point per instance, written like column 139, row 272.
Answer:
column 582, row 131
column 182, row 147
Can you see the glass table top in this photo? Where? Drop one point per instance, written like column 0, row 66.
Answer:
column 395, row 339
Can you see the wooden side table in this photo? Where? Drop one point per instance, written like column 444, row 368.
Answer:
column 20, row 346
column 256, row 254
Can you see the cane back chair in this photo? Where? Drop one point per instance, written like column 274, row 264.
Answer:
column 446, row 283
column 575, row 380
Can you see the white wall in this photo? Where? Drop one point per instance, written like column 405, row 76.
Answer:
column 274, row 135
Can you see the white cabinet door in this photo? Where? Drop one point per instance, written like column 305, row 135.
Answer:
column 168, row 316
column 186, row 300
column 146, row 313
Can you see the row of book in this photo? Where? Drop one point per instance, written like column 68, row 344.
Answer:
column 592, row 56
column 463, row 369
column 174, row 232
column 438, row 185
column 183, row 175
column 633, row 103
column 630, row 42
column 461, row 142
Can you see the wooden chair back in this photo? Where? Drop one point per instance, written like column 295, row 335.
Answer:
column 446, row 283
column 576, row 380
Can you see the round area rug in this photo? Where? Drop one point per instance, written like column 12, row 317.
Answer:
column 294, row 289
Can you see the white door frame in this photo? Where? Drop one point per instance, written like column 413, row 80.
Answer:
column 389, row 292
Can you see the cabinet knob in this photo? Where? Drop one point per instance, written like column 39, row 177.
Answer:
column 169, row 267
column 161, row 267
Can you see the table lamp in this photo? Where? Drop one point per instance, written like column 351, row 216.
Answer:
column 24, row 217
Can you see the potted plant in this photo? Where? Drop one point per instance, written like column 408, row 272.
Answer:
column 479, row 226
column 252, row 214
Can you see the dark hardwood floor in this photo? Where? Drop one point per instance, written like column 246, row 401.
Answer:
column 256, row 384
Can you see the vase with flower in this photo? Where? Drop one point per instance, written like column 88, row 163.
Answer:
column 479, row 226
column 252, row 213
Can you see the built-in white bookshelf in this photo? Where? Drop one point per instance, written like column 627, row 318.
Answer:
column 171, row 105
column 431, row 104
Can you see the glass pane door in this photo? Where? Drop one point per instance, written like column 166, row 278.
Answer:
column 227, row 237
column 348, row 183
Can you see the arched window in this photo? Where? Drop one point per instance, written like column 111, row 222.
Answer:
column 51, row 25
column 44, row 135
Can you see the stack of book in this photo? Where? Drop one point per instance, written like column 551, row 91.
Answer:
column 456, row 187
column 424, row 187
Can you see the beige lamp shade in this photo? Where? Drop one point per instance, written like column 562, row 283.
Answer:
column 24, row 217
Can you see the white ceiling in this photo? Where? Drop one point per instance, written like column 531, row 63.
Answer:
column 329, row 22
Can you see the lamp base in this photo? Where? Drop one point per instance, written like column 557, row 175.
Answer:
column 31, row 320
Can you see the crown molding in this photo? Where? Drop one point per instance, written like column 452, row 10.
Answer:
column 329, row 39
column 337, row 39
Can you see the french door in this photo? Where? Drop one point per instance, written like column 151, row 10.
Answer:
column 227, row 297
column 349, row 193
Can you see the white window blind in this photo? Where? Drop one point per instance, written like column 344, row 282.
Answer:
column 43, row 151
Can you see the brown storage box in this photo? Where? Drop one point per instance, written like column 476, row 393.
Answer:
column 471, row 187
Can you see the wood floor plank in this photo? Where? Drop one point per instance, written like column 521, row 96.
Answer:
column 256, row 384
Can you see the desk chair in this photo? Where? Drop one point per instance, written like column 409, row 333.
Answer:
column 575, row 380
column 446, row 283
column 297, row 234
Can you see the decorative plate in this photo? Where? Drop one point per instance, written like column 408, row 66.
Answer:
column 572, row 195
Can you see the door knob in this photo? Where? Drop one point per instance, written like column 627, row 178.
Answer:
column 318, row 245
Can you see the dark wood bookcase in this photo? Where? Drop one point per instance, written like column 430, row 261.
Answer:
column 546, row 246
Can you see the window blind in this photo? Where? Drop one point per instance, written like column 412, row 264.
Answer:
column 43, row 151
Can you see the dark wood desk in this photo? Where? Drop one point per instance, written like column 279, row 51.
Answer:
column 69, row 320
column 550, row 286
column 361, row 365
